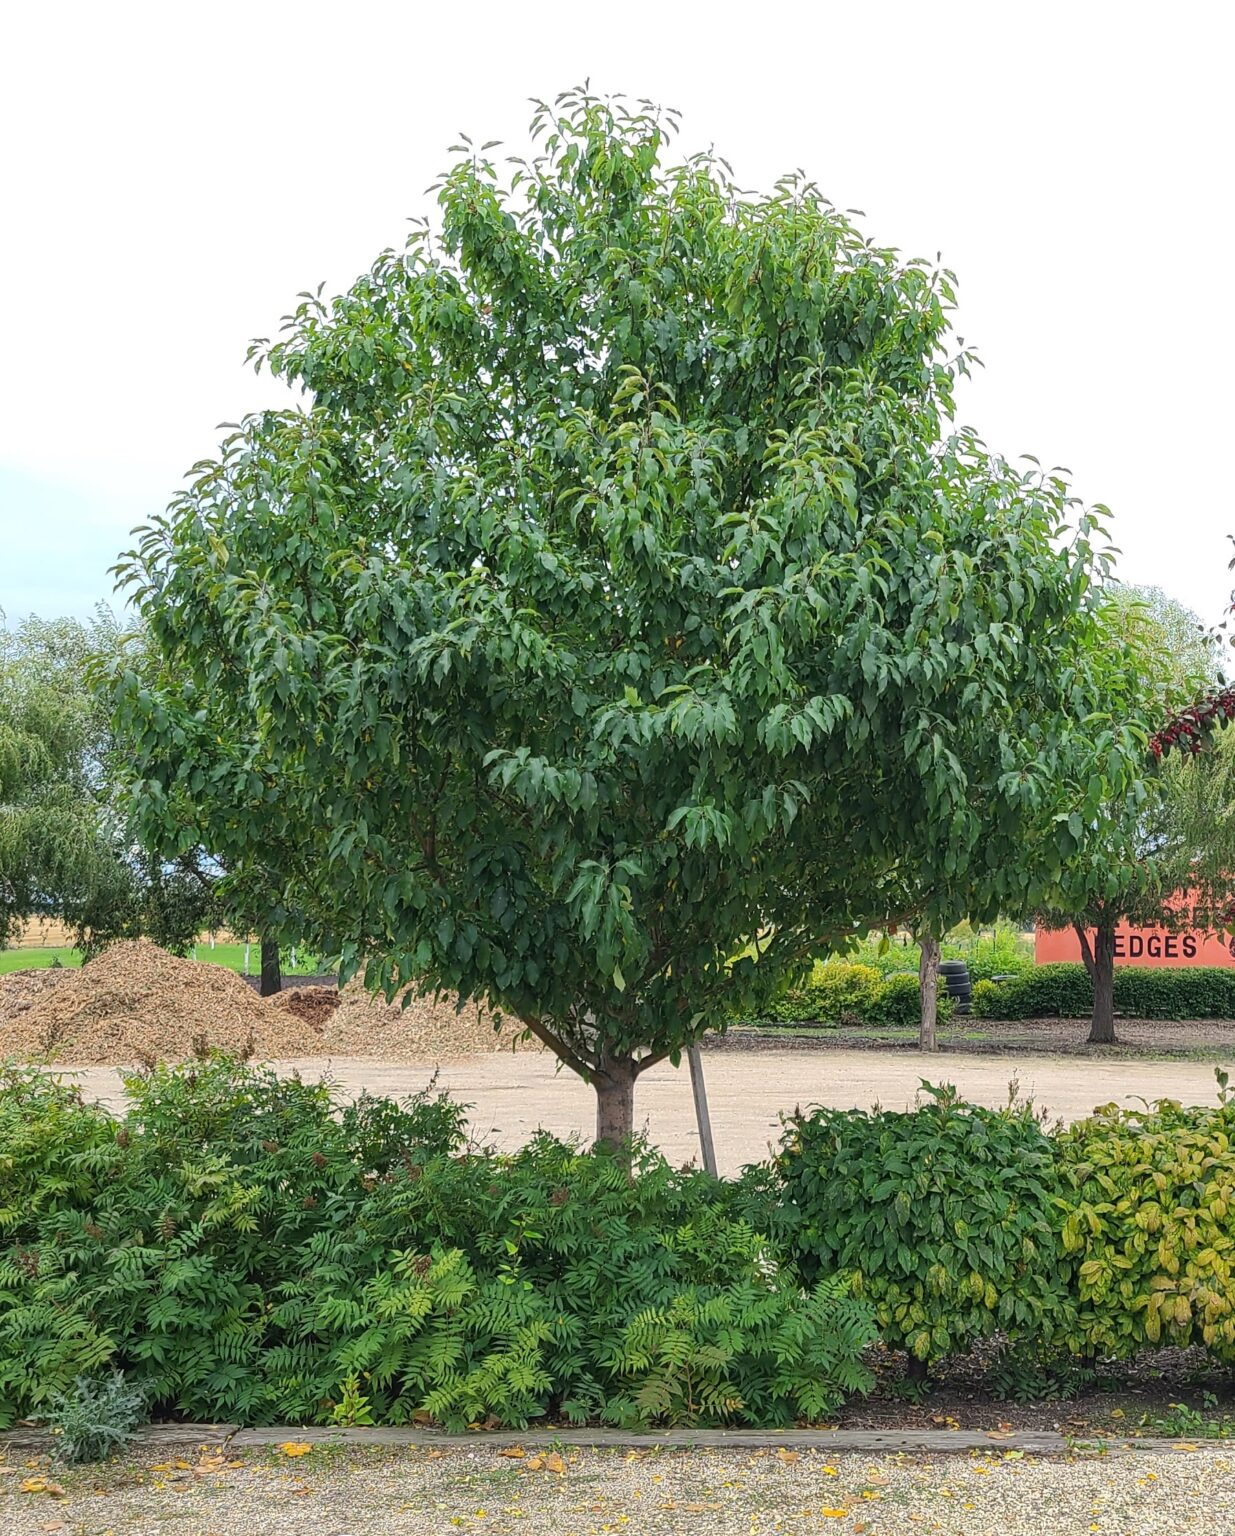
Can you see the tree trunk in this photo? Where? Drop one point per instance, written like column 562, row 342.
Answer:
column 928, row 991
column 272, row 976
column 1102, row 1025
column 614, row 1081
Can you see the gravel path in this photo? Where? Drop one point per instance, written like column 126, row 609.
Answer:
column 402, row 1492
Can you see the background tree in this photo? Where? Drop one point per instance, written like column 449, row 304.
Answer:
column 1017, row 848
column 1162, row 853
column 52, row 851
column 615, row 606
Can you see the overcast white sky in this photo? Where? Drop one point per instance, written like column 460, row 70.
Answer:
column 172, row 175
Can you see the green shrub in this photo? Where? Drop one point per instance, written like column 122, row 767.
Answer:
column 985, row 1002
column 1009, row 951
column 946, row 1217
column 835, row 994
column 53, row 1148
column 243, row 1248
column 96, row 1419
column 1065, row 991
column 1149, row 1225
column 855, row 994
column 896, row 1004
column 1002, row 962
column 839, row 992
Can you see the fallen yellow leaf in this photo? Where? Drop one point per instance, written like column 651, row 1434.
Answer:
column 830, row 1472
column 555, row 1463
column 1185, row 1445
column 295, row 1448
column 534, row 1463
column 34, row 1485
column 786, row 1455
column 513, row 1453
column 834, row 1514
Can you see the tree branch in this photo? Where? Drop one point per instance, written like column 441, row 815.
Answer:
column 558, row 1046
column 1086, row 951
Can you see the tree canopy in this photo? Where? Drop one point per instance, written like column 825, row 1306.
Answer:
column 617, row 616
column 66, row 845
column 1162, row 852
column 53, row 852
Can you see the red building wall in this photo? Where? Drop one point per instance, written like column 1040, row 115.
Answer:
column 1142, row 946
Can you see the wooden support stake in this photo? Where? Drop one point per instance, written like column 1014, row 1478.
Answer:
column 699, row 1089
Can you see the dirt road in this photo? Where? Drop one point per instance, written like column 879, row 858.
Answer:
column 511, row 1095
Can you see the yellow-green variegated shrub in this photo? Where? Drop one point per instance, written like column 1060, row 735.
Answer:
column 1149, row 1224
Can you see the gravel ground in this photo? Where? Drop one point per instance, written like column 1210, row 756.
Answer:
column 414, row 1492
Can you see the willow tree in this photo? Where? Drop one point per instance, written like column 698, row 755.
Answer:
column 55, row 850
column 609, row 619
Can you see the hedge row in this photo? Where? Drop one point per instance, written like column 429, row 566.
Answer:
column 1065, row 991
column 855, row 995
column 245, row 1249
column 957, row 1221
column 248, row 1249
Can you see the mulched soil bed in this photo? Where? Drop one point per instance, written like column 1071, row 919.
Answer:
column 1124, row 1398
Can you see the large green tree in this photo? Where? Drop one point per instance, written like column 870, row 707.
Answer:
column 614, row 613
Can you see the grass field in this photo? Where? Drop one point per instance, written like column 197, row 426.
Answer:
column 231, row 955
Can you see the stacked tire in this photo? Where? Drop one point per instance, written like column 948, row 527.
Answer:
column 955, row 976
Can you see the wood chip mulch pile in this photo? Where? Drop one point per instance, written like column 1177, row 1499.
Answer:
column 135, row 1003
column 427, row 1028
column 312, row 1005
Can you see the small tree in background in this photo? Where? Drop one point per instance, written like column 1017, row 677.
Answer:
column 1163, row 854
column 55, row 847
column 616, row 621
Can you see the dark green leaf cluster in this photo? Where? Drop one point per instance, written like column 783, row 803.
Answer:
column 245, row 1248
column 946, row 1217
column 618, row 597
column 1066, row 992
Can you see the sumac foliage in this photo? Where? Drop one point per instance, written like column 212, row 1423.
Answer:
column 244, row 1248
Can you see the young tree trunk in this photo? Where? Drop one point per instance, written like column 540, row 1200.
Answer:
column 614, row 1081
column 272, row 976
column 928, row 991
column 1102, row 1024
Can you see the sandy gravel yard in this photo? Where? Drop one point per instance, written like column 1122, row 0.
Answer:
column 403, row 1491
